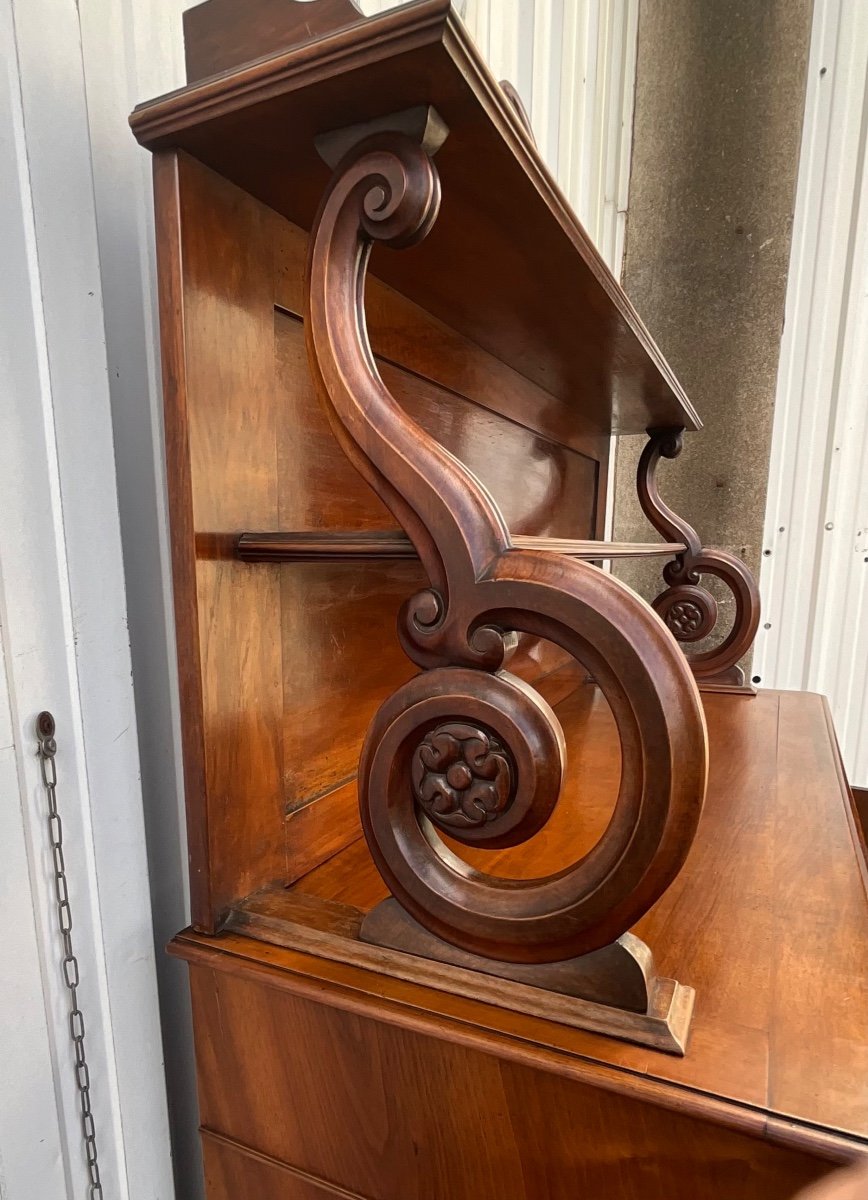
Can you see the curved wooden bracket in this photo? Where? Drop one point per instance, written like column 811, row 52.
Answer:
column 464, row 746
column 688, row 609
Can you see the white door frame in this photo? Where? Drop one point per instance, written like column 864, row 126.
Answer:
column 65, row 647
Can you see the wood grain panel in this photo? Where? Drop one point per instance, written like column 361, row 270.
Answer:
column 167, row 217
column 232, row 430
column 222, row 34
column 279, row 682
column 320, row 829
column 426, row 1118
column 233, row 1172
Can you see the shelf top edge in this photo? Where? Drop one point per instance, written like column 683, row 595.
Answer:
column 189, row 117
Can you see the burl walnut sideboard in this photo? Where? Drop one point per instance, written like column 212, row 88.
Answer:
column 505, row 886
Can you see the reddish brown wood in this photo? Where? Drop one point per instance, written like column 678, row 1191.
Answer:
column 278, row 684
column 508, row 265
column 768, row 920
column 353, row 547
column 388, row 190
column 511, row 93
column 405, row 1082
column 689, row 610
column 169, row 235
column 222, row 34
column 510, row 346
column 860, row 800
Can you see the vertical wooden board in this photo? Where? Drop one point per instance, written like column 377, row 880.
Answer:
column 342, row 659
column 283, row 681
column 167, row 213
column 321, row 829
column 229, row 336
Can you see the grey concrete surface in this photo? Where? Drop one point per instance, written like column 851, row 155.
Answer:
column 719, row 105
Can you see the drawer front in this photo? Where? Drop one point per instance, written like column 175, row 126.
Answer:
column 389, row 1113
column 233, row 1172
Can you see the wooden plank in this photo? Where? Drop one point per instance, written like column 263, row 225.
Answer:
column 232, row 427
column 507, row 264
column 350, row 547
column 407, row 1086
column 167, row 212
column 233, row 1171
column 819, row 1020
column 292, row 920
column 222, row 34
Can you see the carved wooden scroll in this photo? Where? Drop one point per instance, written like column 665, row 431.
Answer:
column 465, row 747
column 690, row 610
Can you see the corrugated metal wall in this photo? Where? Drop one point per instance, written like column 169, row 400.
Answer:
column 574, row 65
column 815, row 559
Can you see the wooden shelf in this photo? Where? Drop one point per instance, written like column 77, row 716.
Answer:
column 507, row 263
column 349, row 547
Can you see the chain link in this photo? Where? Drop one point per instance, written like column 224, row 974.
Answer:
column 69, row 966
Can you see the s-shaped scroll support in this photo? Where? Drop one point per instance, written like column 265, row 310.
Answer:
column 688, row 609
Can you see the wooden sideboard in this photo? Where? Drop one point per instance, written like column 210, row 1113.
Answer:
column 503, row 883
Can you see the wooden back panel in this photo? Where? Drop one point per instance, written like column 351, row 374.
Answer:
column 282, row 667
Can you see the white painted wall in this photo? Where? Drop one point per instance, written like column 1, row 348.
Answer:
column 65, row 647
column 814, row 578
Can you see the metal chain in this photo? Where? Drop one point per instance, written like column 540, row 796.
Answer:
column 47, row 751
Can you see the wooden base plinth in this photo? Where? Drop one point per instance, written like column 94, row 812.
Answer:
column 731, row 682
column 389, row 941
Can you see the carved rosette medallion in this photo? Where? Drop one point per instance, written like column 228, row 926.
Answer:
column 461, row 776
column 690, row 612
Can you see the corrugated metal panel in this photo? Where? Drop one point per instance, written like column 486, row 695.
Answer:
column 814, row 579
column 574, row 65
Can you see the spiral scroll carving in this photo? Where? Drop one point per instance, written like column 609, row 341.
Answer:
column 689, row 610
column 464, row 746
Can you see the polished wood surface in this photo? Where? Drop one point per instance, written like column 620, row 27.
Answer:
column 351, row 547
column 768, row 920
column 278, row 682
column 508, row 264
column 234, row 1172
column 689, row 609
column 223, row 34
column 465, row 747
column 615, row 991
column 502, row 354
column 436, row 1107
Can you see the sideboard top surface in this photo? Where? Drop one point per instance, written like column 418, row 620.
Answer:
column 768, row 921
column 507, row 263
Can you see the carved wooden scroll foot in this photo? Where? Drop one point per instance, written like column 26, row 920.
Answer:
column 464, row 747
column 688, row 609
column 618, row 985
